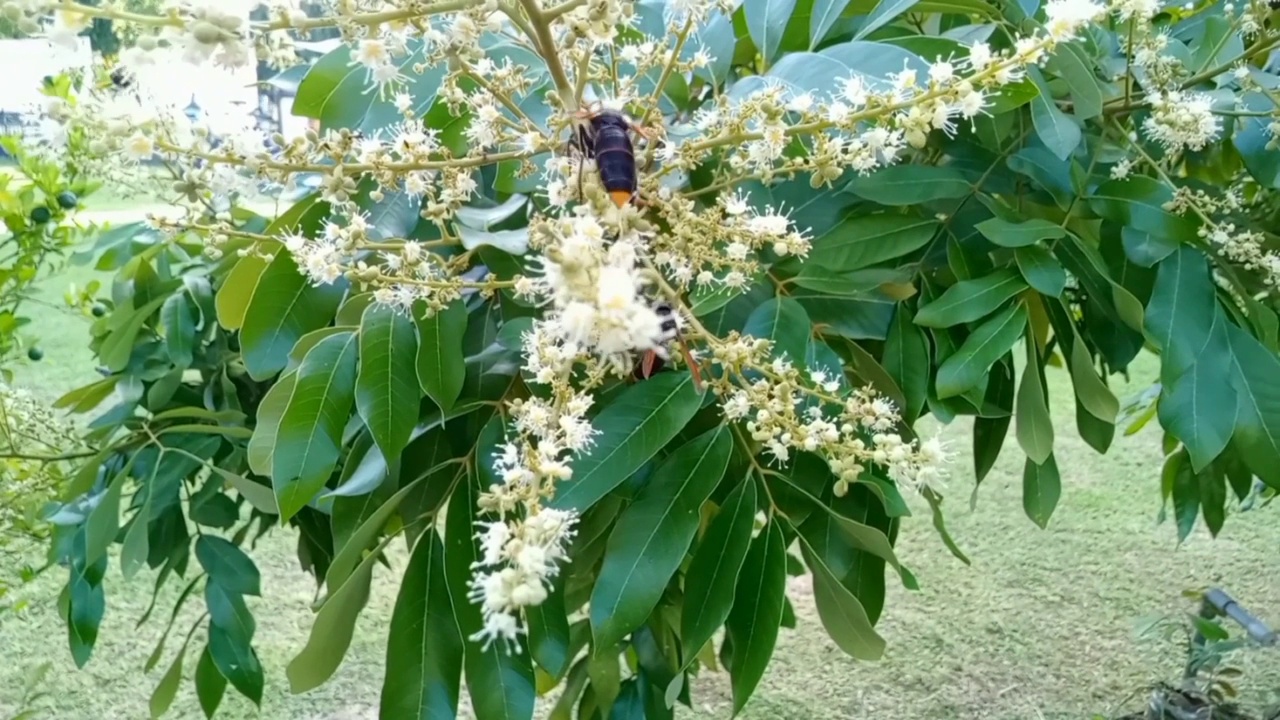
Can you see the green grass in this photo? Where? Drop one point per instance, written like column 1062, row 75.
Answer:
column 1040, row 626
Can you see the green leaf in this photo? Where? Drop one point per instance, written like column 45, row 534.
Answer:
column 1145, row 249
column 757, row 612
column 1138, row 203
column 1178, row 477
column 262, row 446
column 1252, row 138
column 639, row 423
column 210, row 685
column 235, row 658
column 1258, row 423
column 1035, row 427
column 179, row 328
column 548, row 626
column 826, row 13
column 1071, row 64
column 309, row 440
column 785, row 322
column 386, row 394
column 653, row 534
column 228, row 565
column 1055, row 128
column 886, row 11
column 908, row 184
column 117, row 348
column 1041, row 489
column 971, row 300
column 1182, row 311
column 441, row 365
column 906, row 359
column 842, row 615
column 940, row 525
column 167, row 689
column 1200, row 411
column 351, row 552
column 1094, row 394
column 984, row 346
column 1019, row 234
column 862, row 241
column 1041, row 270
column 284, row 307
column 766, row 20
column 103, row 523
column 424, row 644
column 713, row 573
column 332, row 629
column 1213, row 497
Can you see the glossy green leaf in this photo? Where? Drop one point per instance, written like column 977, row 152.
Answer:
column 1185, row 489
column 1138, row 202
column 940, row 525
column 713, row 572
column 117, row 347
column 424, row 644
column 906, row 359
column 309, row 441
column 1200, row 410
column 756, row 615
column 984, row 346
column 1071, row 64
column 1094, row 395
column 842, row 615
column 235, row 658
column 971, row 300
column 785, row 322
column 1055, row 128
column 386, row 393
column 179, row 328
column 262, row 446
column 228, row 565
column 1041, row 270
column 885, row 12
column 284, row 307
column 441, row 365
column 825, row 14
column 909, row 184
column 653, row 534
column 639, row 423
column 332, row 630
column 766, row 20
column 1019, row 234
column 548, row 626
column 1035, row 427
column 103, row 523
column 1041, row 489
column 233, row 296
column 210, row 685
column 866, row 240
column 1181, row 313
column 1258, row 422
column 1213, row 497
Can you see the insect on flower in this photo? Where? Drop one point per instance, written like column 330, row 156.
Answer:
column 653, row 360
column 605, row 135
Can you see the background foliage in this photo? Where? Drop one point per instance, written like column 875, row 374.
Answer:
column 238, row 396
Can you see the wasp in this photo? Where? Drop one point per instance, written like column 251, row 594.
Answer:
column 605, row 135
column 655, row 359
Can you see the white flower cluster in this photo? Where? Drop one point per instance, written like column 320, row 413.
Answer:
column 1181, row 120
column 785, row 411
column 519, row 561
column 1246, row 248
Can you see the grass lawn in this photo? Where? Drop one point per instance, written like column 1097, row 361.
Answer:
column 1041, row 626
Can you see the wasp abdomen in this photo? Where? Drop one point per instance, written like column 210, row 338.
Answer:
column 615, row 156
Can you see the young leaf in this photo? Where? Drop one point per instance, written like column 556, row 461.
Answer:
column 970, row 300
column 308, row 443
column 973, row 360
column 386, row 394
column 424, row 644
column 639, row 423
column 713, row 573
column 441, row 365
column 757, row 612
column 1041, row 488
column 653, row 534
